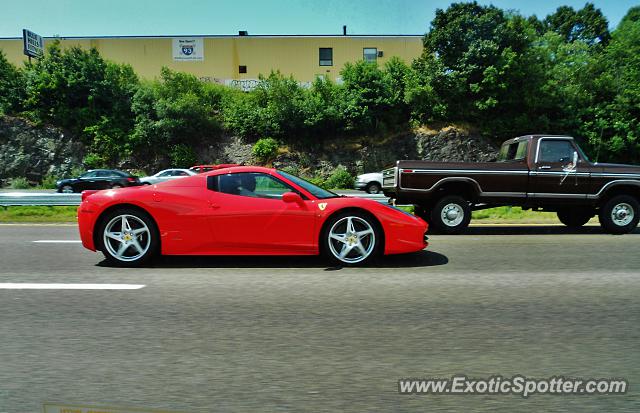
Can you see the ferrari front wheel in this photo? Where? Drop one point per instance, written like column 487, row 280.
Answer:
column 352, row 238
column 129, row 237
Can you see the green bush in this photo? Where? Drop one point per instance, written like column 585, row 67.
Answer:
column 94, row 160
column 265, row 150
column 340, row 178
column 182, row 156
column 20, row 183
column 318, row 181
column 48, row 182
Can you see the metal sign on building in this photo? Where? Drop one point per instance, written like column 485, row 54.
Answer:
column 33, row 44
column 188, row 49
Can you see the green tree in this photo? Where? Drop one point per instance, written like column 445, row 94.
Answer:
column 323, row 110
column 587, row 24
column 77, row 89
column 474, row 66
column 172, row 113
column 613, row 122
column 275, row 107
column 11, row 86
column 370, row 105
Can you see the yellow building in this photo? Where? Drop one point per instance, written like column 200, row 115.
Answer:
column 238, row 60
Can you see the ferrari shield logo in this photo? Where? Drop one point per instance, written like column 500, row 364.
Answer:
column 322, row 206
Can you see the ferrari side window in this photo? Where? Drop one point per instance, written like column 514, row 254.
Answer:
column 269, row 187
column 250, row 184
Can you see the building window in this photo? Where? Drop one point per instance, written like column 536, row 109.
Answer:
column 370, row 54
column 242, row 69
column 326, row 56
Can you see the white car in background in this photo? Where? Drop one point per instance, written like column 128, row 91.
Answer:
column 166, row 175
column 371, row 182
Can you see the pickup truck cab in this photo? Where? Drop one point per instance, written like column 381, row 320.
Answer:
column 538, row 172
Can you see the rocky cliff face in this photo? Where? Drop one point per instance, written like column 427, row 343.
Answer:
column 31, row 151
column 446, row 144
column 453, row 144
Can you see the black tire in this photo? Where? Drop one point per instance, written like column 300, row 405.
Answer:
column 373, row 188
column 339, row 225
column 620, row 214
column 453, row 225
column 149, row 241
column 575, row 218
column 67, row 189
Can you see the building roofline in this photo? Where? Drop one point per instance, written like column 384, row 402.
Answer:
column 220, row 36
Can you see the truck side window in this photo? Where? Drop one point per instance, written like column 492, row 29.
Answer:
column 516, row 151
column 552, row 150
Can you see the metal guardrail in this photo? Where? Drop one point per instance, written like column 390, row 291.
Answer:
column 38, row 199
column 28, row 198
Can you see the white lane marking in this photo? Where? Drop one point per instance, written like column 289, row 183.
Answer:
column 57, row 241
column 61, row 286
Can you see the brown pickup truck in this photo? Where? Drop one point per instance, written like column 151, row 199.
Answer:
column 538, row 172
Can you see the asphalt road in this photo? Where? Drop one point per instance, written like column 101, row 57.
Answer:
column 291, row 334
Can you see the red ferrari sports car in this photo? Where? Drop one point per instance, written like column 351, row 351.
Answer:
column 243, row 210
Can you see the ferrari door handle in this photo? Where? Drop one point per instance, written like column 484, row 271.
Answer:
column 214, row 206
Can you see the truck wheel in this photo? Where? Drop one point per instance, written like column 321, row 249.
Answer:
column 620, row 214
column 450, row 215
column 575, row 218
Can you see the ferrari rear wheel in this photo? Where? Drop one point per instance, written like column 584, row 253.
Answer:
column 352, row 238
column 129, row 237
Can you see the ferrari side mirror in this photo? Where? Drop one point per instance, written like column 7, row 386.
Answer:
column 292, row 197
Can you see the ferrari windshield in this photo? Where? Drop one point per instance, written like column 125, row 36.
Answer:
column 313, row 189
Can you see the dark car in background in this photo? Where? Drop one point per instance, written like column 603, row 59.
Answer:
column 97, row 179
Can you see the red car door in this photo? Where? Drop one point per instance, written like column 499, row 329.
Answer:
column 248, row 215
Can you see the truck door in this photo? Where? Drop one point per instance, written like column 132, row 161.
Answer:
column 559, row 170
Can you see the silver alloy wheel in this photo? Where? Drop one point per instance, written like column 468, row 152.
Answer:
column 126, row 238
column 622, row 214
column 352, row 239
column 452, row 214
column 67, row 189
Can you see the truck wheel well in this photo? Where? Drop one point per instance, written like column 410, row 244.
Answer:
column 465, row 189
column 96, row 237
column 375, row 220
column 616, row 190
